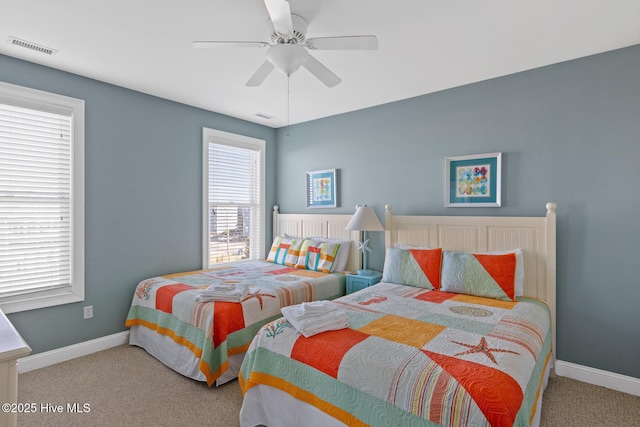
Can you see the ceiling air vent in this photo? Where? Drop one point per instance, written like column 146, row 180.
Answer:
column 38, row 48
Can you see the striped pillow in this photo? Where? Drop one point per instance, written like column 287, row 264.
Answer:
column 284, row 251
column 317, row 256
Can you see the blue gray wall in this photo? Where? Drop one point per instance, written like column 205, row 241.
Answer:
column 143, row 201
column 569, row 133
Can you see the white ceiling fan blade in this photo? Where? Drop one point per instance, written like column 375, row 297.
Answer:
column 323, row 74
column 258, row 77
column 222, row 43
column 280, row 14
column 343, row 43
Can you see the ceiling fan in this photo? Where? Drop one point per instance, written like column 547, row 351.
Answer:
column 289, row 47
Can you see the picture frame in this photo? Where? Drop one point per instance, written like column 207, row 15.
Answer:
column 473, row 181
column 322, row 189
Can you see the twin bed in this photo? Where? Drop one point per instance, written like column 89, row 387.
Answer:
column 414, row 355
column 206, row 341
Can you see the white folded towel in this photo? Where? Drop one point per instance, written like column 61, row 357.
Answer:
column 221, row 287
column 234, row 292
column 333, row 318
column 328, row 325
column 318, row 307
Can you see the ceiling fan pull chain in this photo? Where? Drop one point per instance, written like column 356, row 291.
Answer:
column 288, row 109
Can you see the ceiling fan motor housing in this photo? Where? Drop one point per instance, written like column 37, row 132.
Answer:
column 299, row 32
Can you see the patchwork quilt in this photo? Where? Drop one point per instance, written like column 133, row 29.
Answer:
column 214, row 331
column 412, row 356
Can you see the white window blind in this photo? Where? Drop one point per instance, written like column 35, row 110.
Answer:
column 36, row 204
column 235, row 201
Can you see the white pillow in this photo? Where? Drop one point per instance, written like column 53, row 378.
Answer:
column 340, row 263
column 407, row 246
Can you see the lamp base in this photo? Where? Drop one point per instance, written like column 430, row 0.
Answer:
column 365, row 272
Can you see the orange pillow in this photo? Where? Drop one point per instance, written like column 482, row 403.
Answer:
column 484, row 275
column 413, row 267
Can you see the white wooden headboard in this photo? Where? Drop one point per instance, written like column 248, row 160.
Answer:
column 536, row 236
column 331, row 226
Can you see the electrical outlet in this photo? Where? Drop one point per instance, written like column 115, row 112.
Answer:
column 88, row 312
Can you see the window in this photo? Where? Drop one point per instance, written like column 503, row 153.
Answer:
column 233, row 199
column 41, row 199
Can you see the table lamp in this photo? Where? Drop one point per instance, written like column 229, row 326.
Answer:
column 365, row 219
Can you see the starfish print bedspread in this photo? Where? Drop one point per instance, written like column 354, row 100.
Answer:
column 412, row 357
column 216, row 330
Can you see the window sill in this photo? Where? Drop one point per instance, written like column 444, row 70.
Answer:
column 39, row 300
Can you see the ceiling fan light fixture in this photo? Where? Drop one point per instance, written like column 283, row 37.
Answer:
column 287, row 58
column 289, row 46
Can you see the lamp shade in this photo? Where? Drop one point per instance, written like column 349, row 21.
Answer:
column 365, row 219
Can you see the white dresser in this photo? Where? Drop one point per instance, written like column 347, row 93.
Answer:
column 12, row 347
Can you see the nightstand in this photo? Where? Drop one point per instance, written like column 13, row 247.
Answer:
column 356, row 282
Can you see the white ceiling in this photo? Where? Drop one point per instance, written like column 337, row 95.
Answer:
column 424, row 46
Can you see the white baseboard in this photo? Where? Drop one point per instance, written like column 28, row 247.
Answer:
column 598, row 377
column 63, row 354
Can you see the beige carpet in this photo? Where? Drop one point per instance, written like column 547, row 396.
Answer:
column 124, row 386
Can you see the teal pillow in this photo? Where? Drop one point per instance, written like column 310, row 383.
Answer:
column 483, row 275
column 413, row 267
